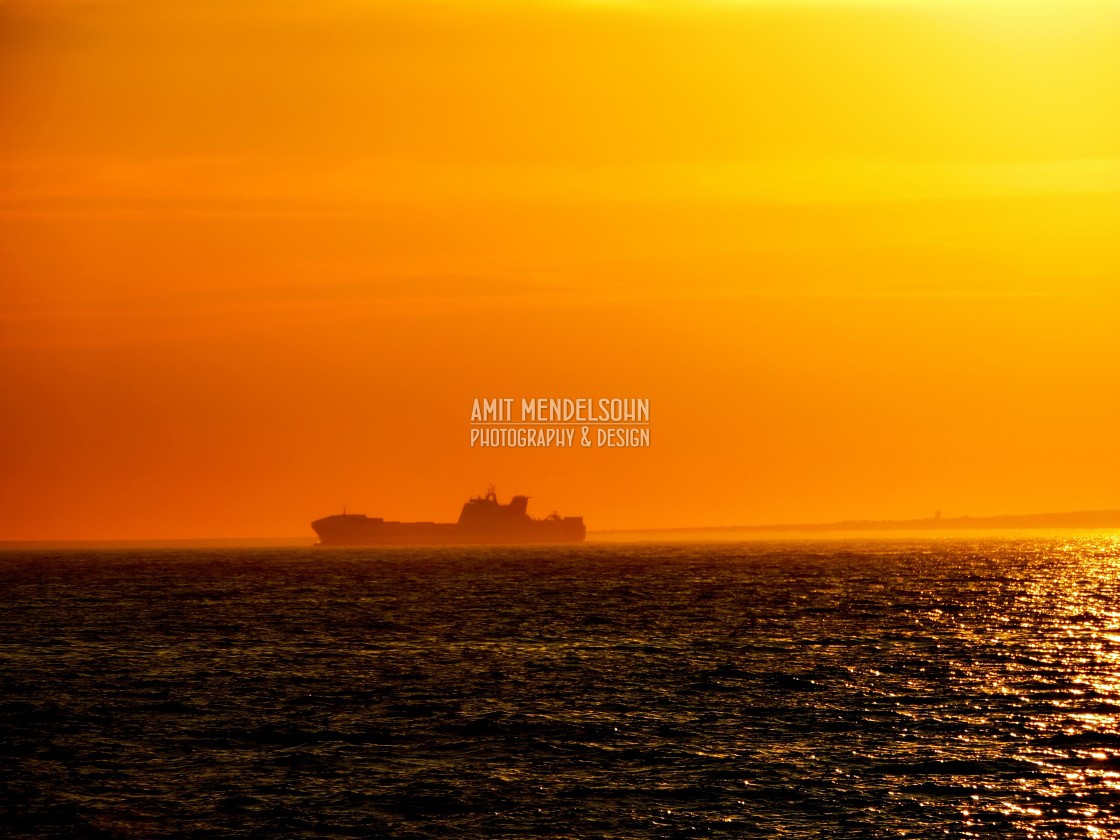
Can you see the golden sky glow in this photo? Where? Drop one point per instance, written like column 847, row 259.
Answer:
column 257, row 258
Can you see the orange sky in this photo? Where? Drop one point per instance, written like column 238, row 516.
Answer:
column 257, row 257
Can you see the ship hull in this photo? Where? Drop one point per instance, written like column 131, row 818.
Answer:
column 336, row 531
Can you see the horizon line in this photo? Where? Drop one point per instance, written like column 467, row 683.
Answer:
column 1083, row 520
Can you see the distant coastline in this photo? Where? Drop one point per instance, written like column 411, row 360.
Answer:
column 1081, row 519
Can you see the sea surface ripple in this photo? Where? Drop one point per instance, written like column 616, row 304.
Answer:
column 909, row 688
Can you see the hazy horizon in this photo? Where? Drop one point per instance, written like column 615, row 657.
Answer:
column 703, row 533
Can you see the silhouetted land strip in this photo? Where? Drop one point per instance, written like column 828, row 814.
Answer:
column 1092, row 519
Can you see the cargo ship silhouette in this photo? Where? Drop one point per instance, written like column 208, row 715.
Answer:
column 483, row 521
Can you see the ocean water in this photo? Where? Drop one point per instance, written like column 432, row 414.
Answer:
column 960, row 688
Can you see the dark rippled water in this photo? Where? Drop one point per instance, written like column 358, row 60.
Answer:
column 934, row 689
